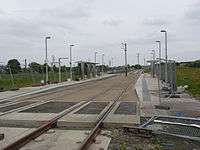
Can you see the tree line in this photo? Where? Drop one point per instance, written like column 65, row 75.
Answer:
column 15, row 66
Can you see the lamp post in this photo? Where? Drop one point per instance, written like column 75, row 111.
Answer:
column 159, row 74
column 166, row 57
column 102, row 63
column 59, row 63
column 125, row 56
column 46, row 61
column 70, row 53
column 153, row 63
column 112, row 62
column 95, row 60
column 159, row 47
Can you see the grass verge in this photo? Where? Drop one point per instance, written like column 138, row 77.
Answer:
column 191, row 77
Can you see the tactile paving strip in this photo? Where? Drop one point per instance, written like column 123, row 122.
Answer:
column 92, row 108
column 50, row 107
column 126, row 108
column 15, row 106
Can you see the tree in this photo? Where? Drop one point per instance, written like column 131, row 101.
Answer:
column 138, row 66
column 35, row 67
column 14, row 65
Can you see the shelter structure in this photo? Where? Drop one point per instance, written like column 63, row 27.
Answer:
column 87, row 69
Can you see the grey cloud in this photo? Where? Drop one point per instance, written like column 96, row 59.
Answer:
column 34, row 27
column 2, row 12
column 19, row 27
column 76, row 13
column 193, row 13
column 112, row 22
column 155, row 22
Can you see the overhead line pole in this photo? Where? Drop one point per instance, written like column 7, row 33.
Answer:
column 138, row 58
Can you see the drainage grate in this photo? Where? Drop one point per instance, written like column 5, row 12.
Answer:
column 15, row 106
column 126, row 108
column 50, row 107
column 92, row 108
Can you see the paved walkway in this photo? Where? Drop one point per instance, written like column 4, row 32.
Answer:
column 147, row 91
column 32, row 90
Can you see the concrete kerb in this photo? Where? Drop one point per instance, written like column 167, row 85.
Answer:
column 56, row 86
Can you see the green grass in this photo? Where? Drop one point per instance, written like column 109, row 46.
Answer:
column 27, row 79
column 191, row 77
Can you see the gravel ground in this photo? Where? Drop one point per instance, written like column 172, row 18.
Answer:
column 127, row 141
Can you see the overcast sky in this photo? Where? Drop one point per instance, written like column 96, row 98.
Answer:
column 98, row 25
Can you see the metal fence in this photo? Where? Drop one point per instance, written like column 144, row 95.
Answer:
column 158, row 68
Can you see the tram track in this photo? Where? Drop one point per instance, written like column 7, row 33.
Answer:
column 94, row 132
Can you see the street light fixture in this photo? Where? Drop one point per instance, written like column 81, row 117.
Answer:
column 71, row 61
column 46, row 61
column 166, row 61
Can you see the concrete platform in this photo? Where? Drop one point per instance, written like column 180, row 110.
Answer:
column 56, row 139
column 118, row 118
column 12, row 134
column 28, row 119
